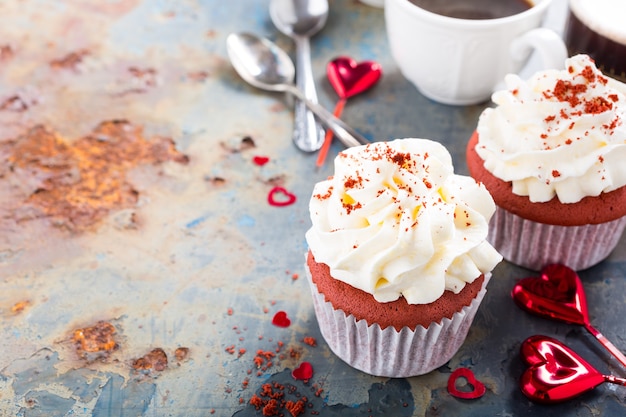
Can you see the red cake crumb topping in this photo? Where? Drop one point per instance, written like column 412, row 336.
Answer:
column 573, row 93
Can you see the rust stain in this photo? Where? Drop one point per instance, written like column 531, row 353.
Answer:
column 181, row 353
column 6, row 52
column 198, row 76
column 20, row 306
column 70, row 61
column 147, row 77
column 85, row 180
column 14, row 103
column 155, row 359
column 99, row 338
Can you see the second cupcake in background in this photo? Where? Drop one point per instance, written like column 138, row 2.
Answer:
column 398, row 257
column 553, row 155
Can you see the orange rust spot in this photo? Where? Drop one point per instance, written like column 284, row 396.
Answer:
column 14, row 103
column 6, row 52
column 181, row 353
column 198, row 75
column 147, row 76
column 97, row 338
column 85, row 180
column 69, row 61
column 20, row 306
column 155, row 359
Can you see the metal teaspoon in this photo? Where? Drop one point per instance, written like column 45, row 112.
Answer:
column 264, row 65
column 301, row 19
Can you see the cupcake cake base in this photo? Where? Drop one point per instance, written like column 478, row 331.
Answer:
column 389, row 352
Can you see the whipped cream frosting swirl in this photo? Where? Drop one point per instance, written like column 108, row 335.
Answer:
column 395, row 220
column 560, row 133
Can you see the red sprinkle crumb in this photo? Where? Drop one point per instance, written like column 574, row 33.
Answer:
column 271, row 401
column 310, row 341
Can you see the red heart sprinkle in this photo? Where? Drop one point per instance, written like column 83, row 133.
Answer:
column 350, row 78
column 260, row 160
column 478, row 388
column 556, row 372
column 557, row 294
column 288, row 198
column 281, row 320
column 303, row 372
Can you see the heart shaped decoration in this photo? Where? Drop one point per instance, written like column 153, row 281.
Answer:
column 557, row 294
column 478, row 388
column 350, row 78
column 280, row 197
column 260, row 160
column 556, row 372
column 281, row 320
column 303, row 372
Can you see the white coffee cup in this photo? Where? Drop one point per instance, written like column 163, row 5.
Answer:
column 460, row 61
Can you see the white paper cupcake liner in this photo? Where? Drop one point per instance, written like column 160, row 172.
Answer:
column 534, row 245
column 388, row 352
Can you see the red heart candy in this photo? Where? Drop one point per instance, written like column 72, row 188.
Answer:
column 281, row 320
column 350, row 78
column 260, row 160
column 556, row 372
column 303, row 372
column 557, row 294
column 287, row 197
column 478, row 388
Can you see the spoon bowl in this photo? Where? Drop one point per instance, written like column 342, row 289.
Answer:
column 264, row 65
column 299, row 17
column 260, row 62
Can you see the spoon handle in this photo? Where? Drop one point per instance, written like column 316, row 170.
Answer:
column 346, row 135
column 308, row 135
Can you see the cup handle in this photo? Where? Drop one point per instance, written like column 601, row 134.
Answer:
column 550, row 47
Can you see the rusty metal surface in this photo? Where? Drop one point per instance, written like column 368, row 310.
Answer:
column 140, row 262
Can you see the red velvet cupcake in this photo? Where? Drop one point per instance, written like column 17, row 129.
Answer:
column 398, row 260
column 551, row 153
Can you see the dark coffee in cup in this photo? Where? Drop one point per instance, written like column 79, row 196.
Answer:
column 474, row 9
column 598, row 28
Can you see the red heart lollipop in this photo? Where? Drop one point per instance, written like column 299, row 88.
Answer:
column 556, row 372
column 348, row 78
column 559, row 294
